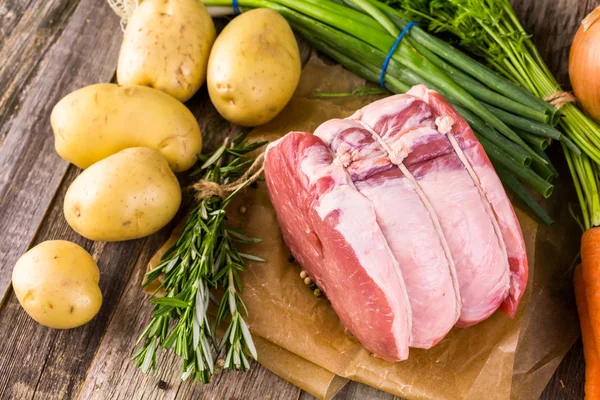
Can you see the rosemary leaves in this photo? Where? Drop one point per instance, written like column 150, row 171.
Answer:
column 204, row 258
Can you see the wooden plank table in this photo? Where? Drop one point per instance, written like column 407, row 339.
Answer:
column 50, row 48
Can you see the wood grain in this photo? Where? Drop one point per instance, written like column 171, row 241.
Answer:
column 355, row 390
column 30, row 169
column 49, row 48
column 54, row 367
column 111, row 374
column 553, row 24
column 34, row 28
column 569, row 379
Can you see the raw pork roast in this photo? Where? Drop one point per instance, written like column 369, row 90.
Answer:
column 398, row 216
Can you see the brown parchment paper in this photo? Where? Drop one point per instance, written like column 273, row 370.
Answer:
column 310, row 377
column 303, row 341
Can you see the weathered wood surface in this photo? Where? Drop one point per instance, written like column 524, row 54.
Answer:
column 49, row 48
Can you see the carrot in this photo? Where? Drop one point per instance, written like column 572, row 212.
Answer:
column 590, row 351
column 590, row 263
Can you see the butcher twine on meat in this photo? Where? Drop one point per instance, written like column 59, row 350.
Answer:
column 398, row 216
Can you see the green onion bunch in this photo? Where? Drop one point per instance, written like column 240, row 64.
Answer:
column 490, row 30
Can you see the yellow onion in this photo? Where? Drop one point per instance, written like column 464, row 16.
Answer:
column 584, row 64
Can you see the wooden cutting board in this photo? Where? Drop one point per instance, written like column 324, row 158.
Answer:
column 50, row 48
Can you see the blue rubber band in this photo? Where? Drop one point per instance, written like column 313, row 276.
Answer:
column 236, row 7
column 392, row 50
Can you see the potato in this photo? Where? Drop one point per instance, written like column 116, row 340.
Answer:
column 254, row 68
column 166, row 46
column 128, row 195
column 56, row 282
column 97, row 121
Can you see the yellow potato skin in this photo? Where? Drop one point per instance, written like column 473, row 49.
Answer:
column 56, row 283
column 97, row 121
column 126, row 196
column 254, row 68
column 166, row 46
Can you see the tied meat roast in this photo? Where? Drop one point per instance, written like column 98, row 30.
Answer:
column 398, row 216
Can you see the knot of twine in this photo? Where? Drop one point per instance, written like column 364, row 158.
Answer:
column 206, row 188
column 559, row 99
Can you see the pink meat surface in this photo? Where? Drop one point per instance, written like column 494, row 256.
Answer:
column 398, row 215
column 410, row 128
column 333, row 233
column 494, row 193
column 428, row 269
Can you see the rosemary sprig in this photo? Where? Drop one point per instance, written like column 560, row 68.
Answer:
column 203, row 258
